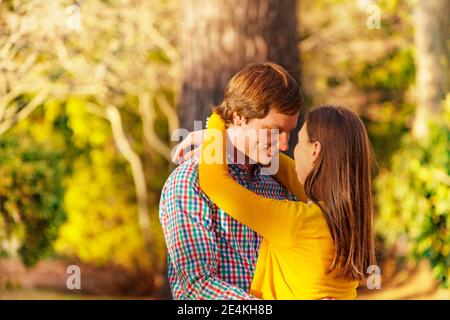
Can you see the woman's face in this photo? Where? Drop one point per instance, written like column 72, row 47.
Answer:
column 305, row 154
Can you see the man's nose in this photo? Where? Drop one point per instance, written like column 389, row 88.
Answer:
column 284, row 141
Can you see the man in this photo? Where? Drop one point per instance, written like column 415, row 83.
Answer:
column 211, row 255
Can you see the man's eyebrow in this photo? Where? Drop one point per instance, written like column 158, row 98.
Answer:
column 269, row 127
column 272, row 128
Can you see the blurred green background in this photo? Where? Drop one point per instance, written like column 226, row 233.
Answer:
column 90, row 92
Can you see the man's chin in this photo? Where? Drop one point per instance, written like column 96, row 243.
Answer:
column 254, row 161
column 265, row 160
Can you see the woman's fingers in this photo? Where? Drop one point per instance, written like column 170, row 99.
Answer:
column 178, row 153
column 194, row 138
column 183, row 156
column 192, row 153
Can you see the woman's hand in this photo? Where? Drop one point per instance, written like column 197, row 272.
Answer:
column 193, row 139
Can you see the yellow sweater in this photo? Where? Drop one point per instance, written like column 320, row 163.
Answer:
column 297, row 246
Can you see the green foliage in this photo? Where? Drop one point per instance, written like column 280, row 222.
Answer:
column 369, row 71
column 391, row 73
column 386, row 130
column 413, row 197
column 123, row 51
column 386, row 82
column 31, row 195
column 102, row 224
column 35, row 158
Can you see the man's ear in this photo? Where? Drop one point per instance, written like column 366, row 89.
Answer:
column 238, row 120
column 316, row 150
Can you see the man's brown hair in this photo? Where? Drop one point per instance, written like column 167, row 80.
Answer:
column 258, row 88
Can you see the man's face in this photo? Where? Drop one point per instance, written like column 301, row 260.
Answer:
column 258, row 140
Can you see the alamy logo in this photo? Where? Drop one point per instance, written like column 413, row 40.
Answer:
column 374, row 20
column 374, row 279
column 73, row 281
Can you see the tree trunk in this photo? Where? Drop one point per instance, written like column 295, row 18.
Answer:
column 431, row 35
column 219, row 37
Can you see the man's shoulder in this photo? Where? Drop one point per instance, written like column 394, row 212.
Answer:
column 182, row 183
column 182, row 193
column 185, row 173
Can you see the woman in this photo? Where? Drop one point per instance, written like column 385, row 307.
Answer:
column 313, row 250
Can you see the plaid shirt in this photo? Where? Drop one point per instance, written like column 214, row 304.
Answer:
column 210, row 255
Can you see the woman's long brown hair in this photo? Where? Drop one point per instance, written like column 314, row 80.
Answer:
column 340, row 183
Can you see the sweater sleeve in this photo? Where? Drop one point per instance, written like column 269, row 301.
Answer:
column 275, row 220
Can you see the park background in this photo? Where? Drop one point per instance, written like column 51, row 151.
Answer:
column 91, row 90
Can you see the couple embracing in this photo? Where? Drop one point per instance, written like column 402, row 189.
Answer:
column 304, row 232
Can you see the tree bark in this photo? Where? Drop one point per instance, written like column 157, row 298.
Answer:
column 219, row 37
column 431, row 36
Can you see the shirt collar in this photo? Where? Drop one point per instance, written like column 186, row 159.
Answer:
column 242, row 169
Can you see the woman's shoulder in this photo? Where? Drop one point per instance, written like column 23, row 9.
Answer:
column 310, row 211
